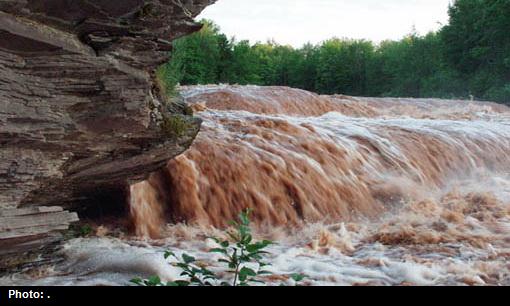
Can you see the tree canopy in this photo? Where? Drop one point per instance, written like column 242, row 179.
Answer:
column 468, row 56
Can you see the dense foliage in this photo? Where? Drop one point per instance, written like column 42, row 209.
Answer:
column 468, row 57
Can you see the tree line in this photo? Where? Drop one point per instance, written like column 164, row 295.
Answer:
column 470, row 56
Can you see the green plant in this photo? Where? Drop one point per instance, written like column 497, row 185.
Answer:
column 196, row 275
column 242, row 252
column 174, row 126
column 152, row 281
column 239, row 254
column 298, row 278
column 166, row 84
column 77, row 231
column 85, row 230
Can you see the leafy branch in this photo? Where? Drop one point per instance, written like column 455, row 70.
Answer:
column 243, row 256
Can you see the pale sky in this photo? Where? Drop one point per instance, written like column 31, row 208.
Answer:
column 296, row 22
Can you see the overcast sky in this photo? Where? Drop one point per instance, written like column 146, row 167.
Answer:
column 296, row 22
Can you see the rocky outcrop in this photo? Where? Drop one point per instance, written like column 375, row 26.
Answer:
column 27, row 232
column 80, row 110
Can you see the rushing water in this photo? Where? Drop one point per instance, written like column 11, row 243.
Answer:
column 355, row 190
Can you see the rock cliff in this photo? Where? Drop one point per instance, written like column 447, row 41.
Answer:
column 80, row 110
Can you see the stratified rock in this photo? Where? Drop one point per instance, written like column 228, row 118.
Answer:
column 80, row 112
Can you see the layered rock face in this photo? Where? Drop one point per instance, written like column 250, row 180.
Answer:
column 80, row 110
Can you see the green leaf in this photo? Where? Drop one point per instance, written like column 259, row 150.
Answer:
column 233, row 223
column 188, row 259
column 225, row 244
column 244, row 218
column 154, row 281
column 182, row 283
column 298, row 277
column 168, row 254
column 247, row 239
column 245, row 272
column 182, row 266
column 137, row 281
column 243, row 232
column 248, row 271
column 207, row 272
column 222, row 251
column 258, row 246
column 267, row 242
column 253, row 248
column 195, row 270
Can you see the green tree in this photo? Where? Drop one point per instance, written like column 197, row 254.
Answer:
column 470, row 55
column 244, row 65
column 342, row 66
column 477, row 44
